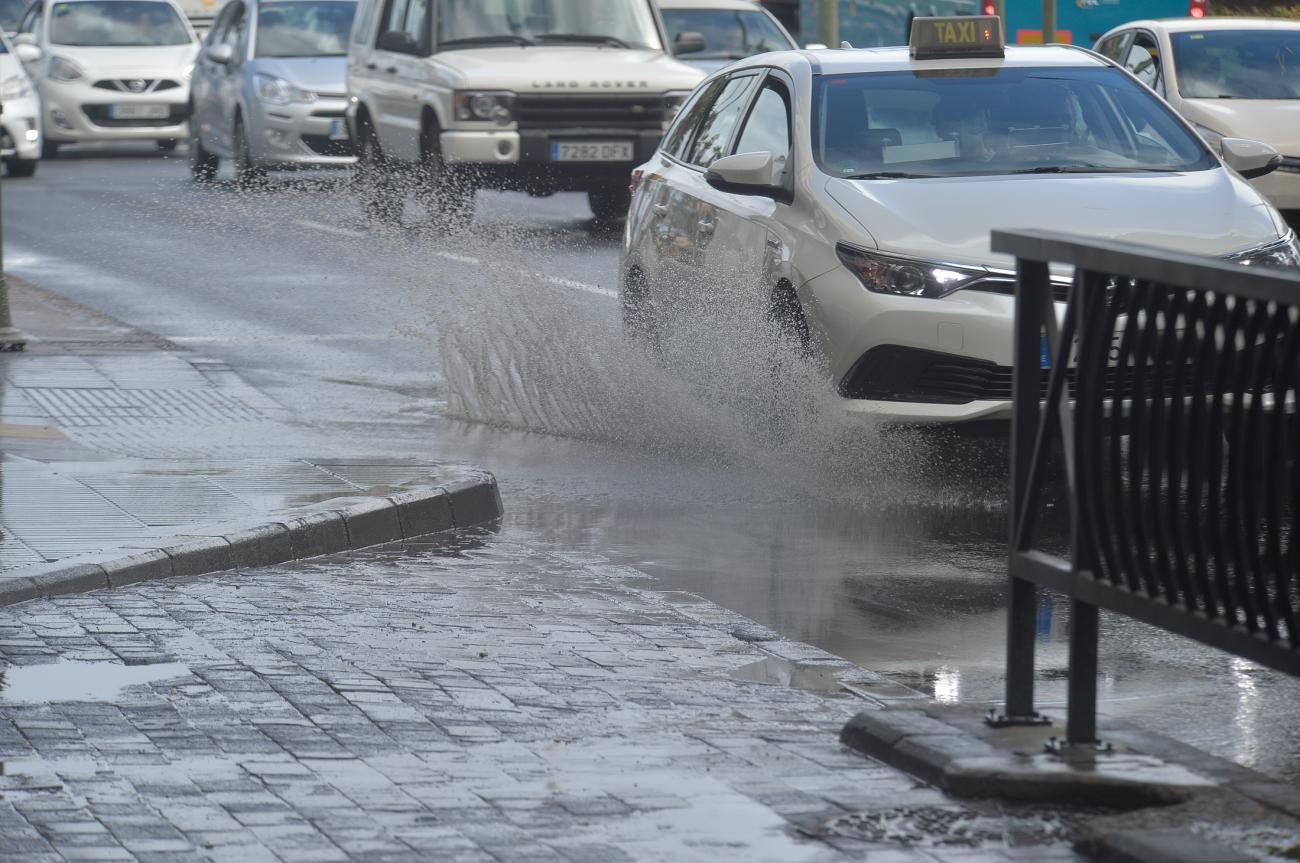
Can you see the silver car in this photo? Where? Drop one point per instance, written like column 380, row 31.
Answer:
column 269, row 88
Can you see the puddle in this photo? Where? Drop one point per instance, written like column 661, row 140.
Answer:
column 70, row 680
column 811, row 677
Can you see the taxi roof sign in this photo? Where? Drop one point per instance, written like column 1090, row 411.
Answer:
column 957, row 36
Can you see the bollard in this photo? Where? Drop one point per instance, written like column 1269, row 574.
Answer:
column 11, row 338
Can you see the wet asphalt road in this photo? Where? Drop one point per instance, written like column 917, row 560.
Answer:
column 385, row 337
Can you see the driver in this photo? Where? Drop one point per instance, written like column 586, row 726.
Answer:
column 967, row 120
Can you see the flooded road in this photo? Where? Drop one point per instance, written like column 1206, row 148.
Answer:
column 503, row 347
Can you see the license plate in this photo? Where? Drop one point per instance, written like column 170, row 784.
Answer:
column 592, row 151
column 338, row 130
column 139, row 111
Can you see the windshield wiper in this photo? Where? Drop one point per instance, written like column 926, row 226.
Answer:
column 583, row 38
column 1089, row 169
column 890, row 175
column 496, row 39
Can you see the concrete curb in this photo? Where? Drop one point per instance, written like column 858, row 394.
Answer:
column 335, row 526
column 1158, row 787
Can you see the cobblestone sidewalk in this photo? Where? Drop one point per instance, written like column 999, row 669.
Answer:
column 470, row 699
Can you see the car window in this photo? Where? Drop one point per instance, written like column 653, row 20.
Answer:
column 116, row 24
column 11, row 12
column 33, row 22
column 1237, row 64
column 304, row 29
column 218, row 31
column 626, row 23
column 767, row 129
column 714, row 137
column 409, row 17
column 233, row 33
column 1143, row 60
column 728, row 34
column 1027, row 120
column 361, row 25
column 1113, row 46
column 681, row 133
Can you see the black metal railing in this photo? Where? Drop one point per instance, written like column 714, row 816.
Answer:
column 1183, row 483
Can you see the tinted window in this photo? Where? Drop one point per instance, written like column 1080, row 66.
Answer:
column 116, row 23
column 680, row 135
column 304, row 29
column 1113, row 47
column 723, row 115
column 768, row 130
column 409, row 17
column 1011, row 121
column 728, row 35
column 578, row 22
column 1238, row 64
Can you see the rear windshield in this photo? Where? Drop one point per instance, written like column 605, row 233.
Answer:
column 117, row 23
column 997, row 121
column 729, row 34
column 304, row 29
column 1238, row 64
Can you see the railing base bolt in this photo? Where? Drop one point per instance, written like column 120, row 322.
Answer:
column 996, row 719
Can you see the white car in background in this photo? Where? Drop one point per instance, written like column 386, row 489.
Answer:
column 1230, row 77
column 732, row 30
column 20, row 124
column 110, row 70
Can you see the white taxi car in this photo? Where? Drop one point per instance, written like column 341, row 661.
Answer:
column 857, row 190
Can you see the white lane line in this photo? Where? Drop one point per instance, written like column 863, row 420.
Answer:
column 280, row 337
column 473, row 261
column 329, row 229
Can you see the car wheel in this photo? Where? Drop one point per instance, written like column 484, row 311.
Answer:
column 786, row 312
column 166, row 145
column 609, row 204
column 247, row 172
column 640, row 319
column 381, row 199
column 447, row 195
column 20, row 167
column 49, row 149
column 203, row 165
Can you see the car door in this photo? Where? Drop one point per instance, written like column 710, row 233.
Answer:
column 204, row 85
column 403, row 43
column 229, row 84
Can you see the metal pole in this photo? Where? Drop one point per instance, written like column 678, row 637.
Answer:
column 1049, row 21
column 828, row 23
column 11, row 338
column 1081, row 720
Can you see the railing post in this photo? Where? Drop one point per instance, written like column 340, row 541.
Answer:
column 1081, row 718
column 1033, row 301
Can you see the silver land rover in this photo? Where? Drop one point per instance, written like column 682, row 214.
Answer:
column 538, row 96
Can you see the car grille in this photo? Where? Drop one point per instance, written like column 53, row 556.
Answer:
column 325, row 146
column 98, row 114
column 330, row 113
column 598, row 111
column 897, row 374
column 137, row 85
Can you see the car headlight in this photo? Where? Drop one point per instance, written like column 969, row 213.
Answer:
column 485, row 106
column 673, row 103
column 63, row 69
column 16, row 87
column 1213, row 138
column 277, row 91
column 1284, row 252
column 907, row 277
column 188, row 72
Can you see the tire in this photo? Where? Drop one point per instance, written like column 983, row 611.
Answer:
column 50, row 149
column 247, row 173
column 380, row 197
column 786, row 312
column 609, row 204
column 167, row 145
column 20, row 167
column 203, row 165
column 447, row 195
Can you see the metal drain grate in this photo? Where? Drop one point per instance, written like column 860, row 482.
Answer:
column 992, row 825
column 79, row 407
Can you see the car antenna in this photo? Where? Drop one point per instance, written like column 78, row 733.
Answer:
column 845, row 46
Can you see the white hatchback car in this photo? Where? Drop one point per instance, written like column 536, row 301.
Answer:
column 1231, row 77
column 110, row 70
column 855, row 192
column 20, row 132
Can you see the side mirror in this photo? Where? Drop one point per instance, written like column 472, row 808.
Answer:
column 689, row 42
column 814, row 46
column 1251, row 159
column 744, row 174
column 220, row 54
column 397, row 41
column 27, row 53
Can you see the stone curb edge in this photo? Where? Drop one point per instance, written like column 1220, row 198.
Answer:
column 338, row 525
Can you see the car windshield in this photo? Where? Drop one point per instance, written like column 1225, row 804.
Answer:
column 729, row 34
column 996, row 121
column 117, row 24
column 616, row 23
column 1238, row 64
column 11, row 12
column 304, row 29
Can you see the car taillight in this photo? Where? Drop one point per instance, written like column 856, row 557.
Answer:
column 1198, row 8
column 637, row 175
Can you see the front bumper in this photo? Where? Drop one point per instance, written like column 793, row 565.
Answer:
column 1282, row 187
column 521, row 159
column 22, row 128
column 78, row 111
column 301, row 134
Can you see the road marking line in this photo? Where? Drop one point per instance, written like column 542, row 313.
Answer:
column 329, row 229
column 279, row 337
column 581, row 286
column 462, row 259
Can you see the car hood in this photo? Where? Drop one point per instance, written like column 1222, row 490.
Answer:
column 1275, row 122
column 166, row 61
column 319, row 74
column 1202, row 212
column 569, row 68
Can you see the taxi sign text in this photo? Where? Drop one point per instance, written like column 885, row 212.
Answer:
column 965, row 36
